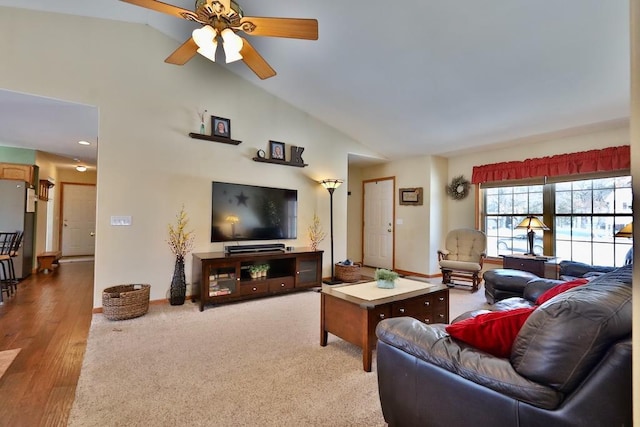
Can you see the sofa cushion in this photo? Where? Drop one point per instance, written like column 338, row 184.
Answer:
column 573, row 269
column 493, row 332
column 433, row 345
column 539, row 286
column 565, row 337
column 557, row 290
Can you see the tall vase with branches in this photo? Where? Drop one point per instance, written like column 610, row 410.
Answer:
column 316, row 233
column 181, row 242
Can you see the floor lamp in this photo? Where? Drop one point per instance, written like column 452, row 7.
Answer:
column 331, row 185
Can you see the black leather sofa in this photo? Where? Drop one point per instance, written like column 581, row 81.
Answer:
column 501, row 283
column 570, row 365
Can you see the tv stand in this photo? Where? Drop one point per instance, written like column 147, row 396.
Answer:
column 219, row 277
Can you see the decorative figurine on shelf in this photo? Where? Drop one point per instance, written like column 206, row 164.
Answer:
column 296, row 155
column 181, row 242
column 316, row 233
column 202, row 129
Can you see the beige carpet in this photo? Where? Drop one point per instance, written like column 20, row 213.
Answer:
column 255, row 363
column 6, row 359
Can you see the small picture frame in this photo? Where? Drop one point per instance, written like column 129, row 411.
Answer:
column 221, row 127
column 411, row 196
column 276, row 150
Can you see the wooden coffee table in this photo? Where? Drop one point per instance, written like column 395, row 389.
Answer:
column 352, row 312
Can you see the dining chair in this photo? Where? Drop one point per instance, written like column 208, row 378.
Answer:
column 17, row 241
column 6, row 265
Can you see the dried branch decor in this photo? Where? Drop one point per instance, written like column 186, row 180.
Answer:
column 316, row 233
column 180, row 241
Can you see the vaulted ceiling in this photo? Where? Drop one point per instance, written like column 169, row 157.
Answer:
column 423, row 77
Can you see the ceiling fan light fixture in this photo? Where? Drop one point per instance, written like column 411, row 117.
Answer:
column 204, row 36
column 232, row 56
column 222, row 18
column 232, row 44
column 209, row 52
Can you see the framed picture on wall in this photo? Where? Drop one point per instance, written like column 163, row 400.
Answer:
column 276, row 150
column 411, row 196
column 221, row 127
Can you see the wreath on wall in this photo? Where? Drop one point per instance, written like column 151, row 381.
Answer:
column 459, row 188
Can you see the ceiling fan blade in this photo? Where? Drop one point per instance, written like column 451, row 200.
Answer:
column 163, row 7
column 258, row 65
column 292, row 28
column 184, row 53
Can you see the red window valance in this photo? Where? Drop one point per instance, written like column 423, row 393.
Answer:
column 604, row 160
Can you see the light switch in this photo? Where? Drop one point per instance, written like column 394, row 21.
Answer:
column 398, row 221
column 121, row 220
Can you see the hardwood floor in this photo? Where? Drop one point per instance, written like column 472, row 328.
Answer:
column 49, row 319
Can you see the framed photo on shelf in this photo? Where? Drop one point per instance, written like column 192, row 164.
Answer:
column 276, row 150
column 411, row 196
column 221, row 127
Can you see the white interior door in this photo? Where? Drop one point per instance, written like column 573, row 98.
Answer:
column 78, row 219
column 378, row 223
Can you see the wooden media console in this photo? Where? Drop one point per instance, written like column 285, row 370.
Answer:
column 219, row 278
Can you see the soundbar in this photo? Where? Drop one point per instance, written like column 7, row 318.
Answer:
column 243, row 249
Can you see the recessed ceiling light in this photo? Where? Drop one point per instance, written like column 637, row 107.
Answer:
column 81, row 168
column 84, row 143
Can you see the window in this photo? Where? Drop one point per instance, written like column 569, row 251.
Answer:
column 582, row 217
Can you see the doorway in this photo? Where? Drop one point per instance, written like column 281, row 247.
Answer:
column 378, row 234
column 78, row 219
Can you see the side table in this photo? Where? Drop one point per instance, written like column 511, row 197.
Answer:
column 535, row 264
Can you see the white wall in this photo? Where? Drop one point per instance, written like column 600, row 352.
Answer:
column 147, row 165
column 424, row 228
column 414, row 239
column 354, row 215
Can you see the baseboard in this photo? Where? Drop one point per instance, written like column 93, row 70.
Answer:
column 412, row 273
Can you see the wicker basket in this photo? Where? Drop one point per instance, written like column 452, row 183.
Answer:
column 125, row 301
column 348, row 273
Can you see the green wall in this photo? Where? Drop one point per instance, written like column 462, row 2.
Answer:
column 17, row 155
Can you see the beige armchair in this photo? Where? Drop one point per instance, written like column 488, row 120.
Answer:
column 463, row 256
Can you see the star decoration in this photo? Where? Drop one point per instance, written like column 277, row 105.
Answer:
column 242, row 199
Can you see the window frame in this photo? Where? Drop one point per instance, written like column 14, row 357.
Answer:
column 549, row 214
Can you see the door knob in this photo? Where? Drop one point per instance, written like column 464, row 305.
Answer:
column 92, row 234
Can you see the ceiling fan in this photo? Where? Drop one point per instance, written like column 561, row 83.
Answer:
column 222, row 19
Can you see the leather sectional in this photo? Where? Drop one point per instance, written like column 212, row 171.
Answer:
column 570, row 365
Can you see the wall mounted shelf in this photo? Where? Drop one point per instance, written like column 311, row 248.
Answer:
column 279, row 162
column 214, row 138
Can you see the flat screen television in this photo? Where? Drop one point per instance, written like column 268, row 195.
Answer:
column 249, row 212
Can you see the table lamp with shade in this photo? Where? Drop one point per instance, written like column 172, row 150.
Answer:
column 531, row 223
column 626, row 231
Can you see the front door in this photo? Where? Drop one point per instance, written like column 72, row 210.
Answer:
column 78, row 219
column 378, row 230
